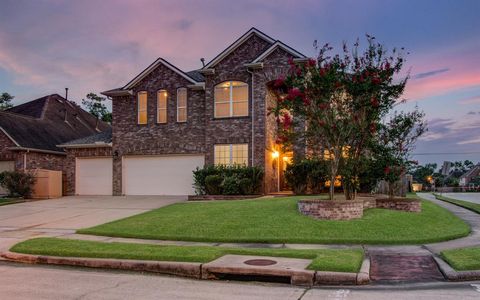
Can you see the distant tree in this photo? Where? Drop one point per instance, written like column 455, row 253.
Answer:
column 96, row 106
column 422, row 173
column 396, row 141
column 6, row 101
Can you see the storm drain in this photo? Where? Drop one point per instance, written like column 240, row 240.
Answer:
column 259, row 262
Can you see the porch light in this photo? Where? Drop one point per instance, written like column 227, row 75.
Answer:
column 275, row 154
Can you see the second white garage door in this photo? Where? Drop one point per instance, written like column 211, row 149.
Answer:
column 93, row 176
column 160, row 175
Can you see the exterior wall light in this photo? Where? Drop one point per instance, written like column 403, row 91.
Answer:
column 275, row 154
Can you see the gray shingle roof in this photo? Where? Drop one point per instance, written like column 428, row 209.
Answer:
column 99, row 138
column 196, row 75
column 47, row 122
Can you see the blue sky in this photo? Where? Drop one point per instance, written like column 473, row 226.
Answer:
column 46, row 46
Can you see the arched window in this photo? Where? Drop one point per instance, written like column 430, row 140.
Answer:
column 181, row 105
column 162, row 96
column 231, row 99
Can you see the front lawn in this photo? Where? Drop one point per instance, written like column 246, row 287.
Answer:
column 463, row 259
column 278, row 221
column 6, row 201
column 323, row 259
column 465, row 204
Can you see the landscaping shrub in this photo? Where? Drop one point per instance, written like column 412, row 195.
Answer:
column 213, row 184
column 254, row 174
column 230, row 186
column 18, row 184
column 246, row 186
column 306, row 174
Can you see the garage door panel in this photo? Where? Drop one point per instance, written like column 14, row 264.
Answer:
column 6, row 166
column 160, row 175
column 94, row 176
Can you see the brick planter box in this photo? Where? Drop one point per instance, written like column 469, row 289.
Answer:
column 332, row 209
column 368, row 201
column 221, row 197
column 403, row 204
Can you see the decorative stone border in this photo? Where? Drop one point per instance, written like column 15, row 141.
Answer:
column 403, row 204
column 191, row 270
column 332, row 209
column 221, row 197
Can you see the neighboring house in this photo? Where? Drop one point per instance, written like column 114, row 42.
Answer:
column 465, row 179
column 167, row 122
column 30, row 133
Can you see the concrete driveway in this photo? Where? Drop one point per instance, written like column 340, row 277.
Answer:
column 470, row 197
column 57, row 217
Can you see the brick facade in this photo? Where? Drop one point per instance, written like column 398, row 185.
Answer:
column 33, row 160
column 202, row 131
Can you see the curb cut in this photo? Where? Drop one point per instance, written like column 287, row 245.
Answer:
column 453, row 275
column 188, row 269
column 184, row 269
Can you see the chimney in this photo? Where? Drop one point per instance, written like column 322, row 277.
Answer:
column 66, row 93
column 203, row 61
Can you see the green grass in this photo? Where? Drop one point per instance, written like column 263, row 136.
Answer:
column 463, row 259
column 323, row 259
column 465, row 204
column 6, row 201
column 278, row 221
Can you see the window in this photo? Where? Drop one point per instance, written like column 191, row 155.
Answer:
column 162, row 106
column 142, row 108
column 182, row 105
column 233, row 154
column 231, row 99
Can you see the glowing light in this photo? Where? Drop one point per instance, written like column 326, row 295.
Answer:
column 275, row 154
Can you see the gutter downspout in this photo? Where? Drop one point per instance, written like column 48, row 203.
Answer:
column 253, row 118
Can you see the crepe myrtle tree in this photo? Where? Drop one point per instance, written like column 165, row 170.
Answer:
column 337, row 102
column 395, row 143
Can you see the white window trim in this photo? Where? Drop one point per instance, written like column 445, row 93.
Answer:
column 230, row 152
column 185, row 107
column 162, row 109
column 138, row 107
column 230, row 101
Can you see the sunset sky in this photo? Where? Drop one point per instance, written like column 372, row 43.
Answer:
column 97, row 45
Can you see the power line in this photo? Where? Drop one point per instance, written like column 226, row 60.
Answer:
column 444, row 153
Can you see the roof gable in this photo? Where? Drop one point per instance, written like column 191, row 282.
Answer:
column 153, row 66
column 236, row 44
column 275, row 46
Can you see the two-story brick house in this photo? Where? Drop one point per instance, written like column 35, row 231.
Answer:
column 167, row 122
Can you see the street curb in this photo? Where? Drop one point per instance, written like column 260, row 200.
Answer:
column 191, row 270
column 184, row 269
column 345, row 278
column 453, row 275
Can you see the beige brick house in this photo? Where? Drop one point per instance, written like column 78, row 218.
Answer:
column 167, row 122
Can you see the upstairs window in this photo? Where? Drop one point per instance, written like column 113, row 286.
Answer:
column 162, row 96
column 182, row 105
column 231, row 154
column 142, row 108
column 231, row 99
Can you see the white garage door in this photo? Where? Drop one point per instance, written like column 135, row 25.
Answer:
column 93, row 176
column 160, row 175
column 5, row 166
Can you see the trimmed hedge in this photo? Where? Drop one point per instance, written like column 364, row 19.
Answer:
column 227, row 180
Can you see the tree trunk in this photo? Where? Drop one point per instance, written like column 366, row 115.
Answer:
column 391, row 190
